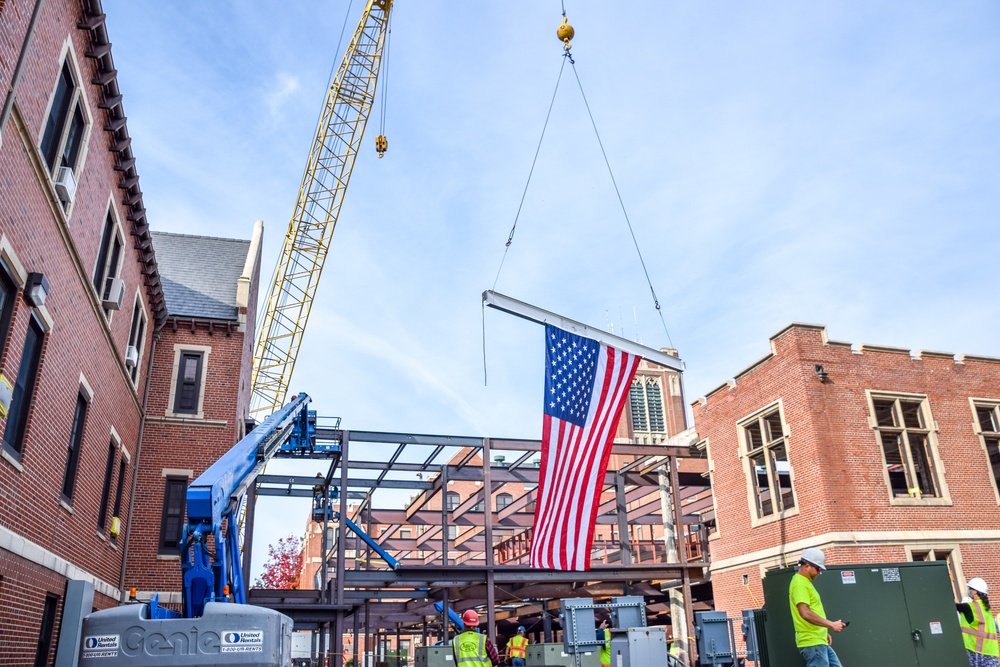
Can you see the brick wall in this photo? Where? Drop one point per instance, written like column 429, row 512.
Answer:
column 36, row 529
column 842, row 500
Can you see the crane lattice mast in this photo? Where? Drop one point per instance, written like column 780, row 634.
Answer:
column 338, row 136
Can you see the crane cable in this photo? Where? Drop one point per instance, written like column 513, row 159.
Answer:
column 381, row 143
column 566, row 33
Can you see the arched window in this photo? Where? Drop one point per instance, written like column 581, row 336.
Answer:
column 503, row 500
column 452, row 500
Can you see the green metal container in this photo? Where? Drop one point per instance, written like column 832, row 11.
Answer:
column 901, row 615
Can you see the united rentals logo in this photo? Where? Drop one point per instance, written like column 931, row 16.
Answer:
column 100, row 646
column 243, row 641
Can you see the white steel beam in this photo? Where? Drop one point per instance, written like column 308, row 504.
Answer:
column 540, row 316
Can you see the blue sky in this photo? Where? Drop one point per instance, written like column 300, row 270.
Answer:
column 830, row 163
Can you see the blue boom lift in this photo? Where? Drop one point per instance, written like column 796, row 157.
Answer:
column 211, row 627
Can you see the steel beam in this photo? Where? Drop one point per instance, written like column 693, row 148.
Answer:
column 540, row 316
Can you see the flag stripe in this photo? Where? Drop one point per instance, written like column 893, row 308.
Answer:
column 576, row 450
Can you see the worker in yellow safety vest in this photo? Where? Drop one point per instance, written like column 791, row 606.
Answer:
column 472, row 649
column 979, row 628
column 517, row 648
column 605, row 634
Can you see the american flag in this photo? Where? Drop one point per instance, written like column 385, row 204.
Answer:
column 586, row 384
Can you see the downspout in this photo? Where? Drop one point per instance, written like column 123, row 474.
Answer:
column 135, row 469
column 8, row 103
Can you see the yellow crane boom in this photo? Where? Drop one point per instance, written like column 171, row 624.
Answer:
column 338, row 136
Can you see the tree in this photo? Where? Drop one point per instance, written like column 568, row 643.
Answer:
column 284, row 562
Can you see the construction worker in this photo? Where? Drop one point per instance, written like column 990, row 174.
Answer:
column 605, row 634
column 517, row 648
column 979, row 628
column 472, row 649
column 812, row 636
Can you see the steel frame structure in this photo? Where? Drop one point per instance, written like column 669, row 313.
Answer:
column 462, row 572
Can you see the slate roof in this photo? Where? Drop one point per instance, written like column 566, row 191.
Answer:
column 200, row 273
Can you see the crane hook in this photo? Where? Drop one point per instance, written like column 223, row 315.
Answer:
column 381, row 145
column 565, row 33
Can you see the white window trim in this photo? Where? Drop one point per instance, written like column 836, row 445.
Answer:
column 13, row 263
column 179, row 348
column 992, row 402
column 141, row 342
column 120, row 230
column 748, row 473
column 932, row 435
column 68, row 54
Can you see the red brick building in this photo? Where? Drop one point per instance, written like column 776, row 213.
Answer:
column 873, row 454
column 199, row 392
column 72, row 228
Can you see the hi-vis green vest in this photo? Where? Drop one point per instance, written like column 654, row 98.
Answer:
column 469, row 650
column 980, row 635
column 606, row 649
column 516, row 646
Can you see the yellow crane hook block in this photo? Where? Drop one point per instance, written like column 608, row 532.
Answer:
column 381, row 145
column 565, row 33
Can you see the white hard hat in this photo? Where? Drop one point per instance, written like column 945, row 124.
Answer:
column 979, row 585
column 816, row 557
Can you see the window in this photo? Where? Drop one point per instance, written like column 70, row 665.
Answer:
column 136, row 336
column 504, row 500
column 452, row 532
column 480, row 506
column 117, row 512
column 767, row 453
column 172, row 524
column 24, row 388
column 108, row 259
column 66, row 124
column 45, row 632
column 901, row 428
column 405, row 533
column 8, row 292
column 646, row 403
column 73, row 451
column 188, row 383
column 988, row 421
column 452, row 500
column 109, row 470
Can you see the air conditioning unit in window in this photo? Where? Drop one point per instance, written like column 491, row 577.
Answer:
column 65, row 184
column 114, row 293
column 131, row 356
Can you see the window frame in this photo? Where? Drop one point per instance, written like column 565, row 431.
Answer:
column 109, row 473
column 137, row 335
column 46, row 630
column 164, row 548
column 505, row 505
column 953, row 558
column 15, row 446
column 79, row 428
column 123, row 462
column 54, row 142
column 642, row 394
column 749, row 450
column 8, row 283
column 179, row 350
column 929, row 430
column 989, row 440
column 110, row 259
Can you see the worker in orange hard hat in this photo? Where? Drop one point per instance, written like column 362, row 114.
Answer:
column 472, row 649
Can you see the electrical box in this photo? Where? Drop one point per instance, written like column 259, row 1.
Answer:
column 640, row 646
column 433, row 656
column 901, row 615
column 547, row 655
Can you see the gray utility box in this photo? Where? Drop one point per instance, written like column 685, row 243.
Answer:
column 638, row 647
column 901, row 615
column 433, row 656
column 544, row 655
column 227, row 634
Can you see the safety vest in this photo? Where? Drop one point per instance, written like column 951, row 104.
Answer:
column 606, row 649
column 980, row 635
column 469, row 650
column 516, row 646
